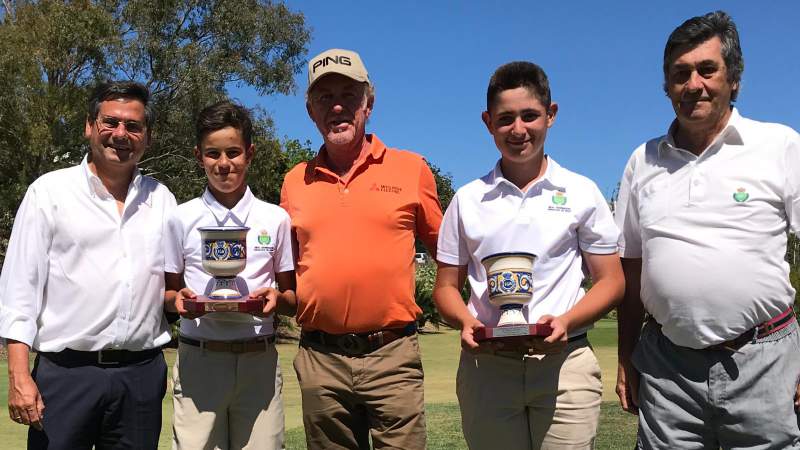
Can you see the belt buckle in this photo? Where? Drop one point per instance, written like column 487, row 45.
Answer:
column 237, row 347
column 101, row 362
column 352, row 344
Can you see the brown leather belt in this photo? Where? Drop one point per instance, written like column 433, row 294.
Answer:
column 778, row 322
column 358, row 344
column 258, row 344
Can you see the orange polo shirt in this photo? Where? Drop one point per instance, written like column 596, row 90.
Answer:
column 355, row 261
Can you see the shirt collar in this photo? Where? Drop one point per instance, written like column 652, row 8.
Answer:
column 237, row 216
column 551, row 177
column 376, row 150
column 98, row 189
column 732, row 134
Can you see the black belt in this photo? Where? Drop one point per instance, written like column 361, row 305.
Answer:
column 357, row 344
column 258, row 344
column 113, row 358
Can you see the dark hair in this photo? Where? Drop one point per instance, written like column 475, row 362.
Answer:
column 110, row 90
column 699, row 29
column 221, row 115
column 518, row 74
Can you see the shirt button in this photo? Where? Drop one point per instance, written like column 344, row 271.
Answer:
column 346, row 191
column 696, row 182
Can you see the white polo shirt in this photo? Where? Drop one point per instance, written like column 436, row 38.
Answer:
column 711, row 229
column 269, row 251
column 559, row 216
column 78, row 274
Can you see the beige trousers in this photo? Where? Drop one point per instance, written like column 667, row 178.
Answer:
column 227, row 401
column 532, row 402
column 348, row 398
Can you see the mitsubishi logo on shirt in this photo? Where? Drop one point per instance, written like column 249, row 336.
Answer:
column 385, row 188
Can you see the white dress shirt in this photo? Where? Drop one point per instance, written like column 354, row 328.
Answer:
column 78, row 274
column 269, row 251
column 711, row 229
column 559, row 216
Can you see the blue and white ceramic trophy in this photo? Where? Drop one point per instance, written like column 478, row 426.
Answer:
column 509, row 279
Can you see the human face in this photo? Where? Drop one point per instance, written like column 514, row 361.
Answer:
column 697, row 85
column 340, row 107
column 518, row 121
column 118, row 136
column 225, row 159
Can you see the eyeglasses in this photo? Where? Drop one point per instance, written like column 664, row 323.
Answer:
column 107, row 123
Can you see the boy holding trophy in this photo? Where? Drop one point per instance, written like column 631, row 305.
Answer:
column 532, row 225
column 227, row 380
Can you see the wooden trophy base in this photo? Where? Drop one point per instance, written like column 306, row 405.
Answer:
column 203, row 304
column 512, row 332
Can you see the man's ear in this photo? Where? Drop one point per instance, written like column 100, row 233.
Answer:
column 249, row 153
column 551, row 114
column 487, row 120
column 198, row 155
column 370, row 104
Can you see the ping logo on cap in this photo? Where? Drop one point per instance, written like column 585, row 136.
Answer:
column 323, row 62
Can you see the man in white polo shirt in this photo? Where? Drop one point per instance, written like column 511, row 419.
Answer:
column 227, row 381
column 544, row 394
column 704, row 212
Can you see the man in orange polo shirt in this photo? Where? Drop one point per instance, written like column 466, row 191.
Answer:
column 356, row 209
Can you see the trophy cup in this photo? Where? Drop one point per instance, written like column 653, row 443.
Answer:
column 509, row 279
column 224, row 256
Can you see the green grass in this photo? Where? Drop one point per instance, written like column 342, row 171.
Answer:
column 440, row 353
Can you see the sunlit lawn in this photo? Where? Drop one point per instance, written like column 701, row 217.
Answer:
column 440, row 360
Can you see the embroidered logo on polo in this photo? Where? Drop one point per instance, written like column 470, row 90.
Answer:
column 385, row 188
column 741, row 195
column 264, row 241
column 559, row 199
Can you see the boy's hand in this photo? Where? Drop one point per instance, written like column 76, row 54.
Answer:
column 180, row 308
column 468, row 336
column 270, row 297
column 557, row 341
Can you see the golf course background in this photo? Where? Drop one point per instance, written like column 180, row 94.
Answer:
column 440, row 351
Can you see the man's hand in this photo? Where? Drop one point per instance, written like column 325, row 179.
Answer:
column 628, row 387
column 797, row 398
column 468, row 336
column 25, row 403
column 270, row 297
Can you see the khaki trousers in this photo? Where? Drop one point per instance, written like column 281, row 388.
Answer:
column 347, row 398
column 225, row 400
column 532, row 402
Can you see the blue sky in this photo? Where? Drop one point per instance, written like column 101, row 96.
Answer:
column 431, row 61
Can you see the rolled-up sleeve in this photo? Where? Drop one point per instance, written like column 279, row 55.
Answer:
column 25, row 268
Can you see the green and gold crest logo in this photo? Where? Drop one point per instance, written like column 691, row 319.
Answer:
column 740, row 195
column 263, row 238
column 559, row 198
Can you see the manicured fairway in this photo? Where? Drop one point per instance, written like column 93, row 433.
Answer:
column 440, row 360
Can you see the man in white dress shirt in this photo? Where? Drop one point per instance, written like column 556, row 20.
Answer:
column 704, row 212
column 83, row 286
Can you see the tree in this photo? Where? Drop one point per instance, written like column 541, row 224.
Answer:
column 186, row 51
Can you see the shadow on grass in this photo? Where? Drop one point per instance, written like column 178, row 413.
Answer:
column 617, row 429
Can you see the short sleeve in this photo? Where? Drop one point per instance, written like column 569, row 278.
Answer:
column 429, row 212
column 792, row 182
column 174, row 244
column 284, row 261
column 597, row 232
column 452, row 247
column 626, row 214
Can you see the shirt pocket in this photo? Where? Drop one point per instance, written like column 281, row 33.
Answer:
column 654, row 202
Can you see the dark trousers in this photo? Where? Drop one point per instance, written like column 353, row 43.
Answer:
column 108, row 407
